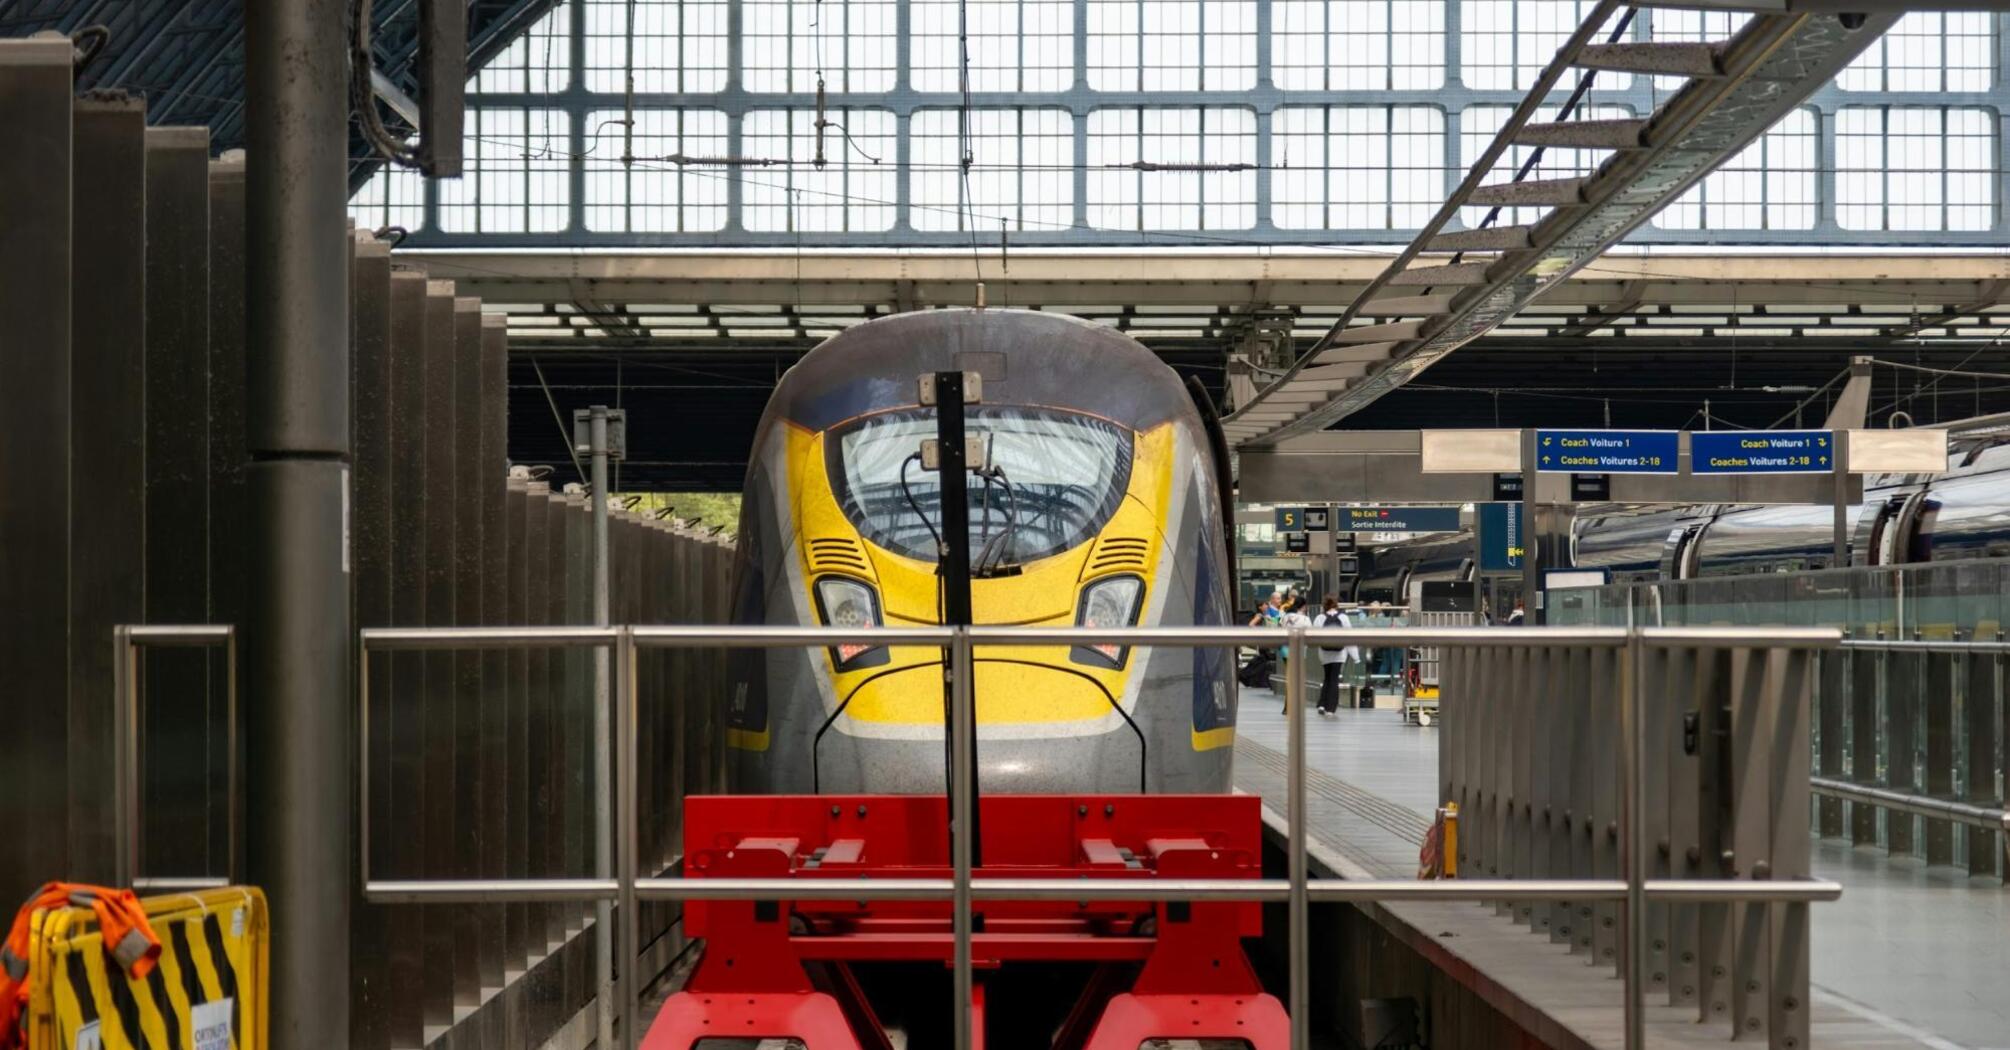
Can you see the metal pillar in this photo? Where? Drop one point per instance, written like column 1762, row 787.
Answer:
column 596, row 431
column 1851, row 411
column 1298, row 908
column 603, row 838
column 1531, row 541
column 1841, row 505
column 297, row 436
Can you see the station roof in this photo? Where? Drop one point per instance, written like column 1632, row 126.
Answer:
column 187, row 56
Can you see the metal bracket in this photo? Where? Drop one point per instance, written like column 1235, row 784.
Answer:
column 976, row 453
column 617, row 432
column 973, row 390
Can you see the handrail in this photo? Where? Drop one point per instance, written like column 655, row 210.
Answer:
column 127, row 640
column 843, row 888
column 1994, row 819
column 962, row 888
column 1948, row 646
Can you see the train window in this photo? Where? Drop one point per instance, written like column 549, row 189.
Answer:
column 1060, row 477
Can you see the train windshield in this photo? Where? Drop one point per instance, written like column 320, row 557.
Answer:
column 1056, row 478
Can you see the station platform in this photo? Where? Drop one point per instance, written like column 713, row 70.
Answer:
column 1910, row 957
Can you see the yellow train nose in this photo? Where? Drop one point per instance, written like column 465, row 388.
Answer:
column 1022, row 687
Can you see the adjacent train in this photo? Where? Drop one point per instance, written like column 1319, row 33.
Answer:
column 1102, row 505
column 1904, row 519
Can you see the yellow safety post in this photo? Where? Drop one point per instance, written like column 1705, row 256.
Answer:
column 207, row 992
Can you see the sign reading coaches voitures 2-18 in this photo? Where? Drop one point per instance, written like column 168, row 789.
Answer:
column 1762, row 452
column 1608, row 451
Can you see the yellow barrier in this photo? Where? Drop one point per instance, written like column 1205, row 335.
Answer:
column 207, row 993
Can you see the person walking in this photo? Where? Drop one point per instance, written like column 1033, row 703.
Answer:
column 1334, row 661
column 1293, row 617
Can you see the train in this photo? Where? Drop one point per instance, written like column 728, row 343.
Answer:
column 1104, row 503
column 1904, row 519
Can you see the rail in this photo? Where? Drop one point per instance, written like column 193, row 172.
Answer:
column 1297, row 890
column 1910, row 738
column 127, row 641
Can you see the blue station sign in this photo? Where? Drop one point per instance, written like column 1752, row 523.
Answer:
column 1398, row 519
column 1500, row 536
column 1762, row 452
column 1608, row 451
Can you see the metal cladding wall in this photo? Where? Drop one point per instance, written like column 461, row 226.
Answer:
column 35, row 353
column 180, row 701
column 107, row 449
column 123, row 465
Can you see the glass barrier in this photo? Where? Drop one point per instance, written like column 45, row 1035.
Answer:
column 1923, row 723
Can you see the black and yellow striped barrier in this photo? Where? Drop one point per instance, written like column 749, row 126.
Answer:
column 207, row 993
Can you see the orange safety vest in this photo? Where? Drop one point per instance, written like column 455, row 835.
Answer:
column 122, row 923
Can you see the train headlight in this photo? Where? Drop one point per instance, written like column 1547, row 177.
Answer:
column 845, row 602
column 1111, row 602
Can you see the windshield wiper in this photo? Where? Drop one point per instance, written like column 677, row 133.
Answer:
column 991, row 560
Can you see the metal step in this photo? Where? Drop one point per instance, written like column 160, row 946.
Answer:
column 1486, row 239
column 1652, row 59
column 1408, row 305
column 1293, row 395
column 1583, row 134
column 1328, row 377
column 1382, row 333
column 1454, row 275
column 1531, row 192
column 1358, row 352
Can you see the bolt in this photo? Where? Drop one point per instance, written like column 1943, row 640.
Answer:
column 1612, row 831
column 1791, row 1003
column 1082, row 810
column 861, row 811
column 1109, row 809
column 1751, row 1024
column 1660, row 946
column 834, row 812
column 1762, row 870
column 1688, row 991
column 1662, row 848
column 1752, row 987
column 1693, row 855
column 1688, row 957
column 1716, row 971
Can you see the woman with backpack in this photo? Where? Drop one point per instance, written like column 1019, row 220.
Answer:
column 1342, row 663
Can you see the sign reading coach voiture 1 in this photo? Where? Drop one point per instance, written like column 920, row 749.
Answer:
column 1608, row 451
column 1762, row 452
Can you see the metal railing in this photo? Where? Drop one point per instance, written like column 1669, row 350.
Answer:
column 1913, row 728
column 1297, row 890
column 127, row 641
